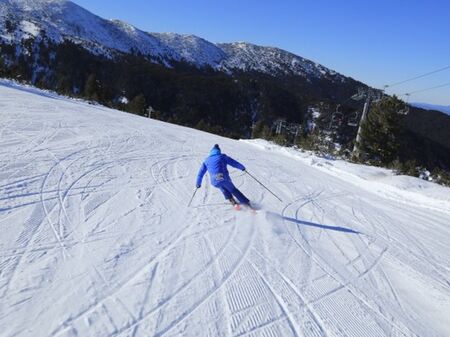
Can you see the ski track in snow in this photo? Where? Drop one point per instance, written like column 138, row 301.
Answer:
column 97, row 239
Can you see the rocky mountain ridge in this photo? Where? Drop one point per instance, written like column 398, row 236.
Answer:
column 60, row 20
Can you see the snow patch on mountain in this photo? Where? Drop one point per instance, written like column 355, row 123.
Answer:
column 61, row 20
column 29, row 28
column 192, row 49
column 250, row 57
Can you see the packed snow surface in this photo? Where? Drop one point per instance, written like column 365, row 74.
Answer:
column 97, row 239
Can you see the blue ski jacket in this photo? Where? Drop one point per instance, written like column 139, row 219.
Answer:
column 216, row 165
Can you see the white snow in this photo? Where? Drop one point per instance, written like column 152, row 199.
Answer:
column 123, row 100
column 247, row 56
column 191, row 48
column 29, row 28
column 61, row 19
column 377, row 180
column 315, row 113
column 97, row 239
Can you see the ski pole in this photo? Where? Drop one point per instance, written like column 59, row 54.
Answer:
column 263, row 185
column 193, row 195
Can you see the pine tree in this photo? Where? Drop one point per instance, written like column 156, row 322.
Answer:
column 10, row 25
column 91, row 87
column 138, row 105
column 63, row 85
column 381, row 132
column 257, row 129
column 201, row 125
column 2, row 65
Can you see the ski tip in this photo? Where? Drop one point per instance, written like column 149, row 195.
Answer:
column 255, row 207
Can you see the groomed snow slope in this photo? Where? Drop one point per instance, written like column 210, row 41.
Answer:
column 96, row 238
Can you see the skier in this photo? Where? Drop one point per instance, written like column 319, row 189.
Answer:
column 216, row 165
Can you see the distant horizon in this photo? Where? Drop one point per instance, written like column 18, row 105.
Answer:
column 427, row 106
column 369, row 44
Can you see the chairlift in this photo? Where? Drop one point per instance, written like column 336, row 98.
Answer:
column 353, row 120
column 336, row 118
column 405, row 110
column 360, row 95
column 377, row 98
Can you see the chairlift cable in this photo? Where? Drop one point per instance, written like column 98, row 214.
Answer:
column 417, row 77
column 426, row 89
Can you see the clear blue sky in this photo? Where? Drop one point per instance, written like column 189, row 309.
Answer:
column 376, row 42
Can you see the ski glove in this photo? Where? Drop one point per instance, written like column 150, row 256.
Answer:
column 198, row 186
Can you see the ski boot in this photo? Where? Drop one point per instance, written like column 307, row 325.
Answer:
column 233, row 202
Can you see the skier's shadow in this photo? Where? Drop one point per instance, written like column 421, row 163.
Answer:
column 312, row 224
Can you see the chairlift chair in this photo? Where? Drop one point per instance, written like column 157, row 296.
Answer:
column 405, row 110
column 353, row 121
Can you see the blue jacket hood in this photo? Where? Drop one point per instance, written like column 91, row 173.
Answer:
column 214, row 151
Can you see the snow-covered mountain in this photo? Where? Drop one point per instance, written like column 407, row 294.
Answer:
column 97, row 238
column 62, row 19
column 249, row 57
column 192, row 49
